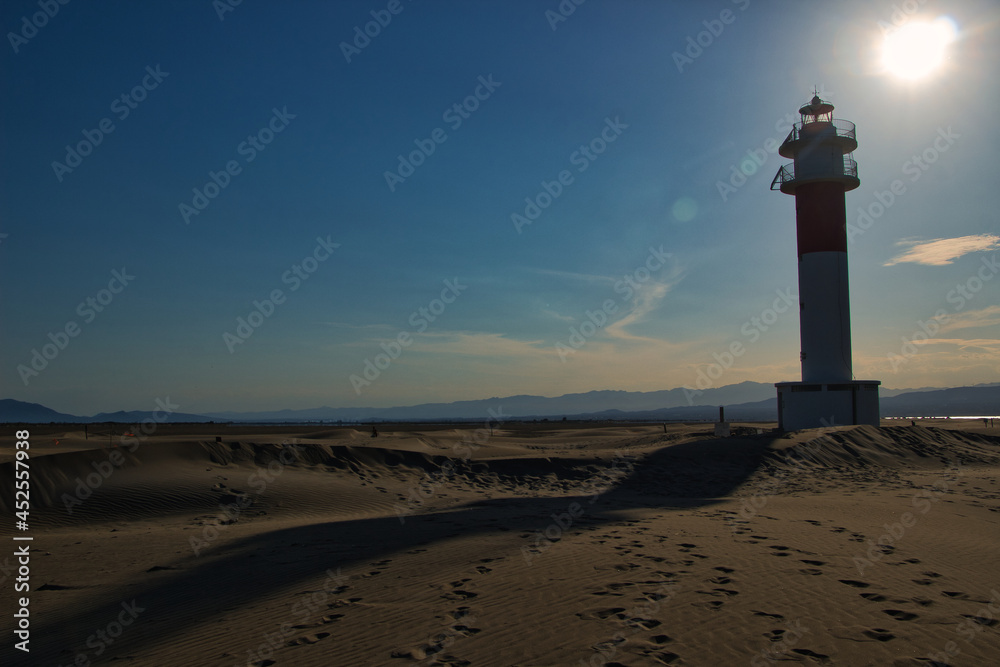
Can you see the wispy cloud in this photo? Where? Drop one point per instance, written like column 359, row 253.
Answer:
column 984, row 317
column 553, row 314
column 989, row 346
column 571, row 276
column 647, row 299
column 938, row 252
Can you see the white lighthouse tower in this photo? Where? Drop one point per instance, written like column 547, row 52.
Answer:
column 823, row 169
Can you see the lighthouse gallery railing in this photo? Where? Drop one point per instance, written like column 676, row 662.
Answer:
column 844, row 128
column 787, row 173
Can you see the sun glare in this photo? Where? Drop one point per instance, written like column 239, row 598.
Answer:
column 918, row 48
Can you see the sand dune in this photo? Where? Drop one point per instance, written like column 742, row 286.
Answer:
column 554, row 545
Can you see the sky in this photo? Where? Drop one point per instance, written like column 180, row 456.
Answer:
column 267, row 205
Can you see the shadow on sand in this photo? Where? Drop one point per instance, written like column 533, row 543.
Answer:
column 680, row 476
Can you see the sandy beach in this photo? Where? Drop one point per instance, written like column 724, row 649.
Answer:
column 538, row 544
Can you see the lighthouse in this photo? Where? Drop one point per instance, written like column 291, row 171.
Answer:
column 822, row 170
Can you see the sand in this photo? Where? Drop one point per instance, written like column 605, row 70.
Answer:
column 538, row 544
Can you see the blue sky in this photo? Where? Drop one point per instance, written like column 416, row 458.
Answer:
column 266, row 90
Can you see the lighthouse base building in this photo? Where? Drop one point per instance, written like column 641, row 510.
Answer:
column 823, row 169
column 817, row 404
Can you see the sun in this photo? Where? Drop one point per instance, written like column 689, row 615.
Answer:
column 917, row 49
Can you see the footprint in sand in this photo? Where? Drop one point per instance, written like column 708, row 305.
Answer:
column 601, row 614
column 879, row 634
column 323, row 621
column 764, row 613
column 873, row 597
column 460, row 594
column 854, row 583
column 722, row 568
column 900, row 615
column 811, row 571
column 817, row 563
column 981, row 620
column 336, row 604
column 308, row 639
column 711, row 604
column 665, row 657
column 643, row 623
column 483, row 570
column 812, row 654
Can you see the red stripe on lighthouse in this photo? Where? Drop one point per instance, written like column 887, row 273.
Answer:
column 820, row 217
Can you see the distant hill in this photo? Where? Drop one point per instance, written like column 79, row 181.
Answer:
column 958, row 401
column 31, row 413
column 747, row 401
column 12, row 411
column 526, row 405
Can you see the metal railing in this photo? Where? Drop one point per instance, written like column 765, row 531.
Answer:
column 843, row 128
column 787, row 173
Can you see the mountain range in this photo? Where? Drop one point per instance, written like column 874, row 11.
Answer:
column 746, row 401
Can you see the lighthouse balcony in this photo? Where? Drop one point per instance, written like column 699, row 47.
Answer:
column 786, row 179
column 836, row 131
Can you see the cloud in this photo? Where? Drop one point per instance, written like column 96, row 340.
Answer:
column 984, row 317
column 572, row 276
column 647, row 299
column 989, row 346
column 938, row 252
